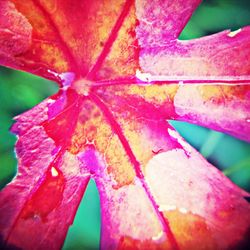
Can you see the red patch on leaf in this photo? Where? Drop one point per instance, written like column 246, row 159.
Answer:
column 53, row 187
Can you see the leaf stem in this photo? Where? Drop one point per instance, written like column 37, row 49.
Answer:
column 244, row 164
column 210, row 143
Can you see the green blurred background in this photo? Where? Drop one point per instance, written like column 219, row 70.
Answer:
column 21, row 91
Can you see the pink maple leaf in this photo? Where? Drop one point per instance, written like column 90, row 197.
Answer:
column 122, row 72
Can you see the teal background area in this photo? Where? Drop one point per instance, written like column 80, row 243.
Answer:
column 21, row 91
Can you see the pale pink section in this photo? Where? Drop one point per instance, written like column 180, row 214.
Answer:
column 127, row 212
column 160, row 22
column 229, row 115
column 189, row 184
column 224, row 57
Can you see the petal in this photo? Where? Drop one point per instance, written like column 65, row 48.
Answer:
column 223, row 57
